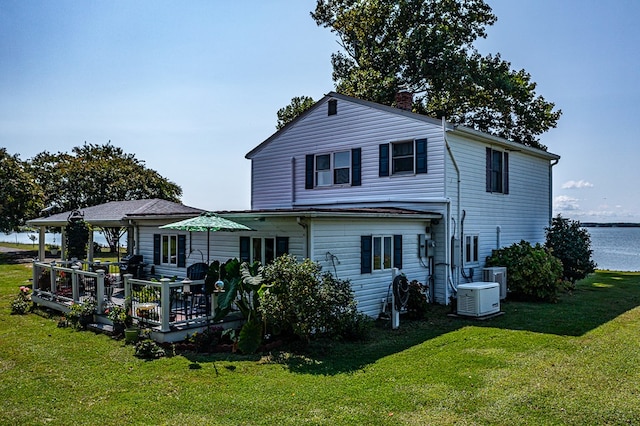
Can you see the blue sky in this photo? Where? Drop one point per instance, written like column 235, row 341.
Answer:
column 191, row 87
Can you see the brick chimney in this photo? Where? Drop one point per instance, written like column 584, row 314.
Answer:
column 404, row 100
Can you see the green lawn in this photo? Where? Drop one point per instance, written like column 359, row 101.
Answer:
column 574, row 362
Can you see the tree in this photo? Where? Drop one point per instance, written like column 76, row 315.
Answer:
column 96, row 174
column 21, row 197
column 298, row 105
column 571, row 243
column 425, row 47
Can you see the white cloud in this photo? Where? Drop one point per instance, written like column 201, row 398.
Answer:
column 580, row 184
column 565, row 203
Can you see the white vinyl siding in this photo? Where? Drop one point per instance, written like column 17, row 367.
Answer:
column 355, row 126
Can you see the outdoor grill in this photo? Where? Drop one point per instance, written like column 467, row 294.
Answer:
column 132, row 264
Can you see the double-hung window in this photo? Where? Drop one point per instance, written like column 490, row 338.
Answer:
column 403, row 157
column 340, row 168
column 333, row 169
column 497, row 171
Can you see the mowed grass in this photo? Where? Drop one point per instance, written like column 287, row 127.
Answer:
column 573, row 362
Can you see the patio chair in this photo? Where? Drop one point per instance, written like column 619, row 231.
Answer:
column 198, row 271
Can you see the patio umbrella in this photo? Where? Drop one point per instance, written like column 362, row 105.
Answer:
column 207, row 222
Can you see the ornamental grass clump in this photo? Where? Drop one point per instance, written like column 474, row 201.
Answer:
column 22, row 303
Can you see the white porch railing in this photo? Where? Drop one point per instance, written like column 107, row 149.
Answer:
column 163, row 305
column 68, row 282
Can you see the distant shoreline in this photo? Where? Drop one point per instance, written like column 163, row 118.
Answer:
column 610, row 225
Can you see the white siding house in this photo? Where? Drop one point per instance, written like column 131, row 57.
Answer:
column 338, row 166
column 357, row 186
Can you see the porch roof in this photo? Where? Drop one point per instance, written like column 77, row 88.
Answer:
column 117, row 213
column 347, row 212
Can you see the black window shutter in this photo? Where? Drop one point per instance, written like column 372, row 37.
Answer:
column 384, row 160
column 356, row 167
column 488, row 170
column 421, row 156
column 156, row 249
column 397, row 251
column 365, row 254
column 308, row 172
column 182, row 251
column 505, row 173
column 245, row 249
column 282, row 246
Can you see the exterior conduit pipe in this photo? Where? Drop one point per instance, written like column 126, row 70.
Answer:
column 307, row 238
column 458, row 183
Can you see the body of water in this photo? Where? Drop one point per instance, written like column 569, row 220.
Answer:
column 23, row 237
column 616, row 249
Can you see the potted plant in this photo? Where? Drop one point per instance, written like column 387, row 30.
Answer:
column 120, row 318
column 81, row 314
column 53, row 249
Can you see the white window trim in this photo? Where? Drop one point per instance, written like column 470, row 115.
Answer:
column 381, row 238
column 332, row 169
column 172, row 242
column 471, row 246
column 263, row 249
column 392, row 158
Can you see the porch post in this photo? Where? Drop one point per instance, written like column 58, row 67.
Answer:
column 75, row 292
column 63, row 243
column 100, row 290
column 164, row 304
column 53, row 276
column 35, row 275
column 41, row 245
column 90, row 246
column 127, row 287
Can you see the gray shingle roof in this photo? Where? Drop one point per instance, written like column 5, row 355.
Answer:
column 116, row 213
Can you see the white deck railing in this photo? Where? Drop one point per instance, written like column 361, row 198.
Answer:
column 163, row 305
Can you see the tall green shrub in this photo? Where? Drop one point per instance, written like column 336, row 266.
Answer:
column 571, row 243
column 298, row 298
column 534, row 273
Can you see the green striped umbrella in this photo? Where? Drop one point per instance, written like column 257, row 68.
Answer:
column 207, row 222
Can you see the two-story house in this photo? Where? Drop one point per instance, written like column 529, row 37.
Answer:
column 362, row 188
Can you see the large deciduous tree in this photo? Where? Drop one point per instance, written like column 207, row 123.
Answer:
column 425, row 47
column 298, row 105
column 20, row 197
column 95, row 174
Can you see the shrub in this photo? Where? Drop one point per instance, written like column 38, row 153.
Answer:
column 81, row 314
column 22, row 303
column 298, row 298
column 571, row 243
column 417, row 302
column 534, row 273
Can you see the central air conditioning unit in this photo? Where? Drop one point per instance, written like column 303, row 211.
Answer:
column 478, row 299
column 497, row 274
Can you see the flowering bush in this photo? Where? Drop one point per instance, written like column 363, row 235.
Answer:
column 118, row 315
column 22, row 303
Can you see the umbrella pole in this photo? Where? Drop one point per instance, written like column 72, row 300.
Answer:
column 208, row 234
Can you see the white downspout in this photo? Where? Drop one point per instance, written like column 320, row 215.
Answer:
column 458, row 202
column 553, row 163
